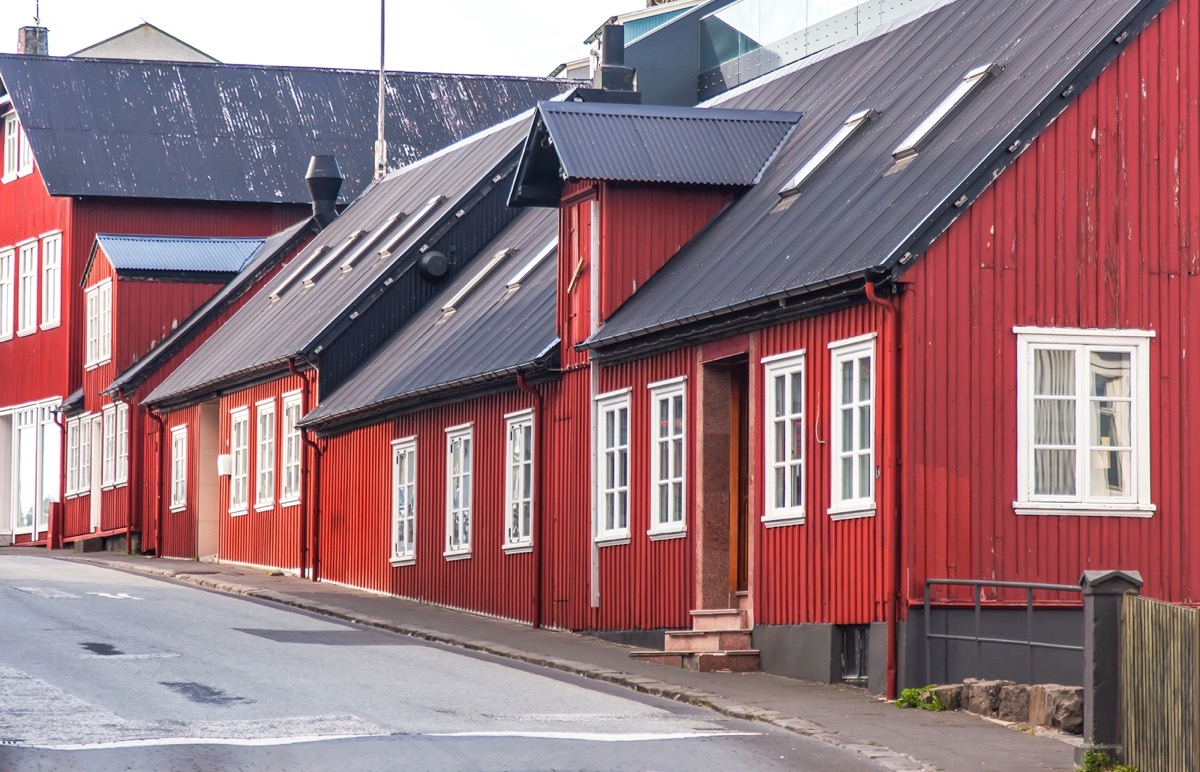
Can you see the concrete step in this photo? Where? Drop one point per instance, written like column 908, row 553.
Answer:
column 672, row 658
column 706, row 640
column 720, row 619
column 745, row 603
column 744, row 661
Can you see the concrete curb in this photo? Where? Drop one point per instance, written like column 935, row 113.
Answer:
column 878, row 754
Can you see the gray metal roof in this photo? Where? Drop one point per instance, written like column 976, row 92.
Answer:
column 214, row 132
column 265, row 333
column 852, row 218
column 273, row 249
column 643, row 143
column 176, row 254
column 493, row 331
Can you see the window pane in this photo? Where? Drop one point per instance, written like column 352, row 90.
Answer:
column 623, row 426
column 664, row 461
column 865, row 473
column 1110, row 474
column 780, row 483
column 1111, row 372
column 780, row 389
column 662, row 515
column 677, row 502
column 864, row 427
column 1110, row 423
column 847, row 478
column 780, row 441
column 847, row 429
column 864, row 379
column 1054, row 373
column 677, row 457
column 797, row 405
column 1053, row 422
column 797, row 480
column 664, row 418
column 797, row 439
column 677, row 413
column 1054, row 472
column 847, row 382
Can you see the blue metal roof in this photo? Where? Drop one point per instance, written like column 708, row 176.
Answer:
column 176, row 254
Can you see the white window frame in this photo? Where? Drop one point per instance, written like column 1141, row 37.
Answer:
column 663, row 524
column 1082, row 342
column 27, row 287
column 239, row 452
column 612, row 489
column 264, row 455
column 519, row 496
column 84, row 485
column 121, row 468
column 12, row 144
column 179, row 453
column 841, row 352
column 792, row 510
column 108, row 439
column 72, row 481
column 404, row 480
column 51, row 280
column 460, row 515
column 292, row 450
column 99, row 324
column 8, row 297
column 24, row 153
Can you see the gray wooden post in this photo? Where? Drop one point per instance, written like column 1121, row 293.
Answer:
column 1102, row 594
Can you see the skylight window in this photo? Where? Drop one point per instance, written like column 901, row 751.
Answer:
column 409, row 224
column 303, row 264
column 835, row 143
column 479, row 276
column 969, row 84
column 311, row 277
column 515, row 281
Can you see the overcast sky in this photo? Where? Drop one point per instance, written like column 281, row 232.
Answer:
column 504, row 37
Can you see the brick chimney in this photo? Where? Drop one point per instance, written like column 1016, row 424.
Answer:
column 34, row 41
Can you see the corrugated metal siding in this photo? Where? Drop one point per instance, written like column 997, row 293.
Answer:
column 1096, row 225
column 574, row 270
column 270, row 537
column 76, row 516
column 641, row 228
column 179, row 528
column 824, row 570
column 145, row 312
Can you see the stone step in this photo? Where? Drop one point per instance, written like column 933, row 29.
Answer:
column 706, row 640
column 672, row 658
column 720, row 619
column 745, row 602
column 744, row 661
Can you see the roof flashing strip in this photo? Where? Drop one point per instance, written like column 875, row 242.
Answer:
column 300, row 268
column 452, row 304
column 311, row 277
column 848, row 129
column 378, row 236
column 967, row 86
column 408, row 224
column 515, row 282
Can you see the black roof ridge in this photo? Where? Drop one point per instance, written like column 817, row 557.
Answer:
column 671, row 111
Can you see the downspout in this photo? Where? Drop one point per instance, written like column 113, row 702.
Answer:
column 158, row 487
column 539, row 527
column 890, row 421
column 54, row 528
column 131, row 466
column 305, row 469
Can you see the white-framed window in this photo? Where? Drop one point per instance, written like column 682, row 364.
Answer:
column 289, row 492
column 458, row 490
column 27, row 300
column 179, row 449
column 668, row 457
column 612, row 460
column 121, row 473
column 404, row 501
column 783, row 411
column 24, row 153
column 72, row 456
column 51, row 280
column 264, row 484
column 1083, row 413
column 239, row 449
column 108, row 436
column 84, row 481
column 7, row 292
column 12, row 143
column 852, row 444
column 518, row 481
column 99, row 323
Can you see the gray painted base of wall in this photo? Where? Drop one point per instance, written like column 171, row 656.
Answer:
column 813, row 652
column 640, row 639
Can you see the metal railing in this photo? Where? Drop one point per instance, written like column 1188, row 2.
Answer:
column 979, row 639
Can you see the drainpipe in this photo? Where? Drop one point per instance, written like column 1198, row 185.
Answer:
column 54, row 527
column 305, row 469
column 158, row 488
column 538, row 496
column 890, row 421
column 131, row 466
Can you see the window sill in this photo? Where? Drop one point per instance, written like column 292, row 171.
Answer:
column 290, row 503
column 177, row 508
column 518, row 549
column 265, row 506
column 615, row 540
column 457, row 554
column 1082, row 509
column 851, row 514
column 781, row 521
column 6, row 336
column 238, row 512
column 665, row 534
column 8, row 178
column 25, row 333
column 50, row 326
column 401, row 562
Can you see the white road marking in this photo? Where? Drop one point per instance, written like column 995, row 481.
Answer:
column 127, row 656
column 47, row 592
column 117, row 596
column 624, row 737
column 254, row 741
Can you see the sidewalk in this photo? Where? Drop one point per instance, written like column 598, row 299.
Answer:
column 841, row 716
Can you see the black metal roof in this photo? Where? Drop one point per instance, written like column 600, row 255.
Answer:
column 646, row 143
column 266, row 333
column 215, row 132
column 272, row 249
column 493, row 331
column 137, row 255
column 852, row 218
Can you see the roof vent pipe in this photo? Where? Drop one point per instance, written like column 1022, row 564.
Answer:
column 612, row 74
column 324, row 180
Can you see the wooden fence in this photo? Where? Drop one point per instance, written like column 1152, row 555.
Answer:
column 1160, row 685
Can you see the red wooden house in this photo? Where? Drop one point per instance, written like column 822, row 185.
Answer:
column 195, row 150
column 938, row 330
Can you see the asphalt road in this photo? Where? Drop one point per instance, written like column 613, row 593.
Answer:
column 103, row 670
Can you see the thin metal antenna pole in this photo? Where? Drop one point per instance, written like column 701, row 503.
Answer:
column 380, row 142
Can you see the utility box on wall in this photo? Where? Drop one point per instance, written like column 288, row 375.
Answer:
column 224, row 465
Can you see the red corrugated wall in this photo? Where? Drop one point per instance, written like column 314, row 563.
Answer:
column 575, row 269
column 178, row 537
column 1096, row 225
